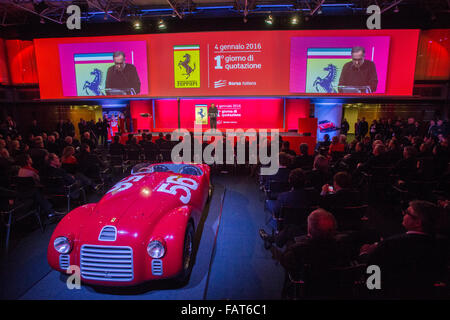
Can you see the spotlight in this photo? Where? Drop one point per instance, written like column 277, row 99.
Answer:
column 269, row 20
column 137, row 25
column 162, row 25
column 396, row 9
column 319, row 11
column 295, row 20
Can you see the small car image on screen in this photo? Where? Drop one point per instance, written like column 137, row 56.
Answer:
column 326, row 126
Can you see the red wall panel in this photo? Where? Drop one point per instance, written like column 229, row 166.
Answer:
column 22, row 62
column 141, row 106
column 433, row 55
column 4, row 73
column 296, row 108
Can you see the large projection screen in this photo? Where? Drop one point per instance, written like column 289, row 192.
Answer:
column 232, row 63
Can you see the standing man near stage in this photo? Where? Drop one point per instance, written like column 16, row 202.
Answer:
column 212, row 113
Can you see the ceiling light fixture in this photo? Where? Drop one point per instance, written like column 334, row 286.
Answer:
column 269, row 20
column 162, row 25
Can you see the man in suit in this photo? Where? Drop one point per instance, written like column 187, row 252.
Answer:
column 52, row 145
column 116, row 148
column 341, row 194
column 344, row 127
column 38, row 153
column 213, row 113
column 123, row 77
column 319, row 251
column 303, row 160
column 411, row 262
column 151, row 149
column 406, row 168
column 359, row 71
column 363, row 127
column 378, row 159
column 161, row 142
column 54, row 170
column 282, row 174
column 294, row 198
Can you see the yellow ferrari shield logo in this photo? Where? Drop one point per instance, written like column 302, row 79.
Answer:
column 186, row 61
column 201, row 114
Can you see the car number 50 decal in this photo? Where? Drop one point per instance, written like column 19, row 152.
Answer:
column 175, row 183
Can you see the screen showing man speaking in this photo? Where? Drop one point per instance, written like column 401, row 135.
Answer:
column 104, row 68
column 354, row 65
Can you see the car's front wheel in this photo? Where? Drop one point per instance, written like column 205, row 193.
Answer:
column 188, row 254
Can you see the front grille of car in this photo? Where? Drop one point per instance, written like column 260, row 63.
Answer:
column 157, row 267
column 106, row 263
column 64, row 261
column 108, row 233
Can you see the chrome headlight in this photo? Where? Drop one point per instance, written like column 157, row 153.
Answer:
column 62, row 245
column 156, row 249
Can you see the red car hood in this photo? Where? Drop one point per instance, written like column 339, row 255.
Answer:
column 133, row 211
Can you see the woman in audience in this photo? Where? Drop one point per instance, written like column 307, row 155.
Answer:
column 26, row 168
column 68, row 156
column 320, row 174
column 336, row 146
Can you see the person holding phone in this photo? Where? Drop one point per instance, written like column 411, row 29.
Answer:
column 340, row 194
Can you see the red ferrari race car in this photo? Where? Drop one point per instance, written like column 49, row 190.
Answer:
column 326, row 126
column 142, row 229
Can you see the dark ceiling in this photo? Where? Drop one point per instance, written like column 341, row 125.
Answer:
column 27, row 19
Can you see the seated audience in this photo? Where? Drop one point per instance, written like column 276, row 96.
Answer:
column 341, row 194
column 116, row 148
column 282, row 174
column 313, row 257
column 32, row 192
column 320, row 174
column 412, row 262
column 294, row 198
column 286, row 149
column 89, row 164
column 303, row 160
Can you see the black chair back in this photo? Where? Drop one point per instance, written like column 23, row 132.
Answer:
column 133, row 155
column 276, row 187
column 70, row 167
column 116, row 160
column 54, row 185
column 350, row 218
column 23, row 184
column 150, row 154
column 166, row 153
column 295, row 216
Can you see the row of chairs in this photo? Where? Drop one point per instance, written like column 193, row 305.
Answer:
column 18, row 202
column 13, row 209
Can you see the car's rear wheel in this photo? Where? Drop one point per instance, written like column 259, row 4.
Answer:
column 188, row 254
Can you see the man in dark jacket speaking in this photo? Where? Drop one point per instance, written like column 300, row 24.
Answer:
column 359, row 72
column 122, row 78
